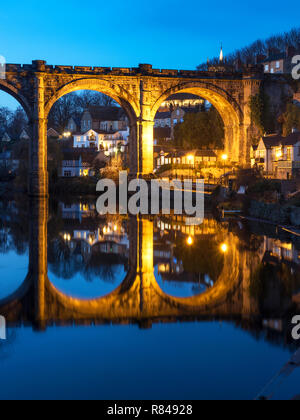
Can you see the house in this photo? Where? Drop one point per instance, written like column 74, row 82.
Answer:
column 182, row 100
column 278, row 156
column 110, row 143
column 162, row 135
column 7, row 162
column 287, row 162
column 73, row 125
column 192, row 158
column 278, row 62
column 6, row 138
column 24, row 135
column 79, row 163
column 51, row 133
column 163, row 119
column 263, row 154
column 104, row 118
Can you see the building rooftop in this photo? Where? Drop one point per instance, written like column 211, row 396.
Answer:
column 107, row 113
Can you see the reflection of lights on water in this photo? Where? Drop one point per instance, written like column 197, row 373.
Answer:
column 224, row 248
column 190, row 241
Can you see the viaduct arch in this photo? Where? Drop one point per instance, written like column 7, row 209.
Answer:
column 137, row 299
column 140, row 91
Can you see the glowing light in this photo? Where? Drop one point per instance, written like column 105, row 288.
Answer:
column 67, row 134
column 115, row 228
column 190, row 241
column 224, row 157
column 279, row 155
column 224, row 248
column 190, row 158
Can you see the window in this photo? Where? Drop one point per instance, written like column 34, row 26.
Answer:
column 267, row 67
column 272, row 71
column 278, row 64
column 67, row 174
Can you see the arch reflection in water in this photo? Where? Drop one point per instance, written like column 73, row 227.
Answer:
column 87, row 255
column 231, row 284
column 13, row 248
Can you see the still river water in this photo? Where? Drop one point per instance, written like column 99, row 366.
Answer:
column 117, row 308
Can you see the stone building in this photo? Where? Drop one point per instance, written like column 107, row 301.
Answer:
column 278, row 62
column 80, row 163
column 278, row 156
column 105, row 118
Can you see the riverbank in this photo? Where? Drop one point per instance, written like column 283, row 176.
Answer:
column 284, row 215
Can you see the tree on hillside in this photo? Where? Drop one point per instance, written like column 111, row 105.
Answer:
column 89, row 98
column 261, row 114
column 249, row 53
column 73, row 105
column 18, row 123
column 62, row 111
column 5, row 119
column 290, row 119
column 200, row 130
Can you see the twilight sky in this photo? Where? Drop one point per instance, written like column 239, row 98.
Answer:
column 167, row 34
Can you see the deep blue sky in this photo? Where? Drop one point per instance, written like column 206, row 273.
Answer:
column 167, row 34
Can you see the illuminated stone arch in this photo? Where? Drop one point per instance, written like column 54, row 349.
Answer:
column 119, row 94
column 226, row 105
column 8, row 88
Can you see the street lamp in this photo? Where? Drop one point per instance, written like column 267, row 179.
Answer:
column 190, row 241
column 224, row 248
column 224, row 158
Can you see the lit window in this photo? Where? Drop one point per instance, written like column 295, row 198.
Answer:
column 267, row 67
column 277, row 64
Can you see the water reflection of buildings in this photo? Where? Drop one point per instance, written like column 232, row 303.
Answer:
column 276, row 251
column 139, row 299
column 77, row 211
column 167, row 231
column 85, row 235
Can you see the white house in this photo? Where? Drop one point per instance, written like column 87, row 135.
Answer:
column 110, row 143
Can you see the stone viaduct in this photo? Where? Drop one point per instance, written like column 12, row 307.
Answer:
column 140, row 91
